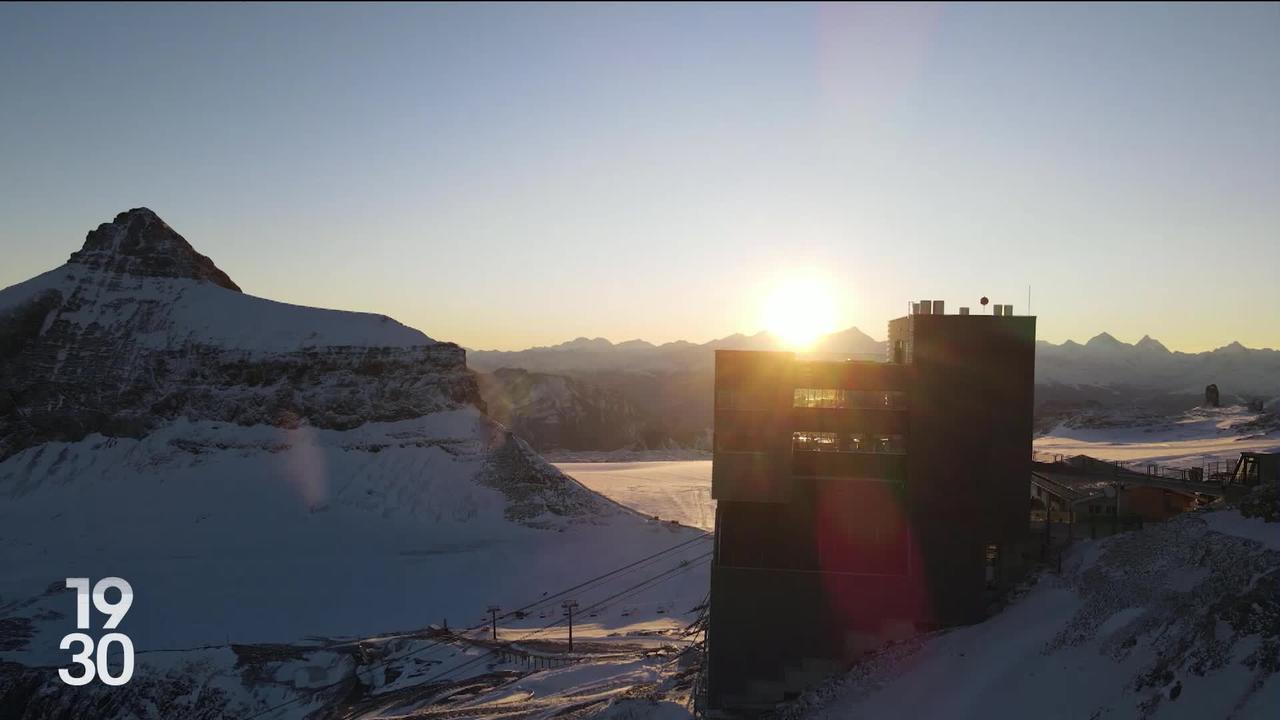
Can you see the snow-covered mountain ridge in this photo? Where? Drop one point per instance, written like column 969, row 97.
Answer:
column 137, row 328
column 1102, row 361
column 666, row 389
column 264, row 473
column 594, row 354
column 1148, row 364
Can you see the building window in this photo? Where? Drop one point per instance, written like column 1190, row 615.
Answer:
column 818, row 441
column 850, row 399
column 815, row 441
column 819, row 398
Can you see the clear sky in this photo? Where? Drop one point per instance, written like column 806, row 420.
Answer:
column 505, row 176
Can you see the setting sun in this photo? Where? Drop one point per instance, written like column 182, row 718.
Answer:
column 799, row 310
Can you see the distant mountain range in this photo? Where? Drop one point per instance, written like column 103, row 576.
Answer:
column 1148, row 364
column 1102, row 361
column 600, row 354
column 657, row 395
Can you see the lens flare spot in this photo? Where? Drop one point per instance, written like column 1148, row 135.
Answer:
column 799, row 310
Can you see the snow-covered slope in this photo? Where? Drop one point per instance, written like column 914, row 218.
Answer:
column 1180, row 620
column 671, row 490
column 262, row 472
column 1194, row 437
column 266, row 534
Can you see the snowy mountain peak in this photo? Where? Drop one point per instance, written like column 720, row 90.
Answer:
column 139, row 243
column 1103, row 341
column 1150, row 344
column 585, row 343
column 636, row 344
column 138, row 329
column 851, row 340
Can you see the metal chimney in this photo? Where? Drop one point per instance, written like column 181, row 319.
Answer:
column 938, row 306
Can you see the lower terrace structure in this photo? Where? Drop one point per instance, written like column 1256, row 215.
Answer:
column 862, row 501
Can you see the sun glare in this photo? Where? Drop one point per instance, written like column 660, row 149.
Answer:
column 799, row 310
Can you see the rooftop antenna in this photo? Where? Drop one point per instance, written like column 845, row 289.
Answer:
column 1029, row 299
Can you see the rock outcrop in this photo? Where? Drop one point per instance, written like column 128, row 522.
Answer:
column 139, row 243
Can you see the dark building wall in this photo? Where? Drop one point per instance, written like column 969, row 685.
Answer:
column 752, row 440
column 879, row 526
column 970, row 447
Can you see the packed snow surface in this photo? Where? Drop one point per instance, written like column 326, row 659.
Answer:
column 679, row 491
column 1199, row 435
column 264, row 534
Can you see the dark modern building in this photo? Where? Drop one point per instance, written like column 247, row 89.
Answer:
column 862, row 501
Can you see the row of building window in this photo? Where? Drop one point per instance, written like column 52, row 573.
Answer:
column 849, row 442
column 850, row 399
column 733, row 399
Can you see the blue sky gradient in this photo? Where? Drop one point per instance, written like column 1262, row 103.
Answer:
column 511, row 175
